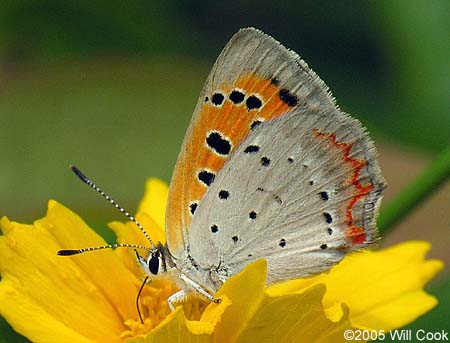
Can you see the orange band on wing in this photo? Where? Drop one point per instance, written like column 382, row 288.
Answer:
column 232, row 120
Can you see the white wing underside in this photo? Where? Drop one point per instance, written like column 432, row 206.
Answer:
column 285, row 194
column 249, row 51
column 286, row 197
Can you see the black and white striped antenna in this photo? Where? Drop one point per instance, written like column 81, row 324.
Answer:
column 86, row 180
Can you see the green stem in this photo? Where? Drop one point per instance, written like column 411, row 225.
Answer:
column 416, row 192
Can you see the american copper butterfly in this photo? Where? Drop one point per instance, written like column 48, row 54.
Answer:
column 269, row 168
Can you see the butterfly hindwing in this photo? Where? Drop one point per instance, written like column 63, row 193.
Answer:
column 254, row 80
column 302, row 191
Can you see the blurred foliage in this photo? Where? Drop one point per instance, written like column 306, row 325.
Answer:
column 396, row 51
column 49, row 30
column 110, row 86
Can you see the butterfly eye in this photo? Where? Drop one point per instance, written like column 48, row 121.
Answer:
column 153, row 263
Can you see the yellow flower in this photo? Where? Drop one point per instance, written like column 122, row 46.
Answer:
column 91, row 298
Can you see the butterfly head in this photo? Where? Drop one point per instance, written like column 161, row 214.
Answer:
column 157, row 262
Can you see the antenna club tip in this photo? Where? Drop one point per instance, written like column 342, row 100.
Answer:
column 74, row 169
column 67, row 252
column 78, row 173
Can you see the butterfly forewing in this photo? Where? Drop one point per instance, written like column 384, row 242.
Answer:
column 254, row 80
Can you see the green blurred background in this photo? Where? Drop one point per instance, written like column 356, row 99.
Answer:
column 110, row 87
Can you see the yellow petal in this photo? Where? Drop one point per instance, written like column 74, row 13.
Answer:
column 255, row 316
column 377, row 286
column 397, row 312
column 294, row 318
column 154, row 203
column 245, row 291
column 47, row 297
column 177, row 329
column 213, row 313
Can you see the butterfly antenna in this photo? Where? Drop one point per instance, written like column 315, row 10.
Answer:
column 87, row 181
column 69, row 252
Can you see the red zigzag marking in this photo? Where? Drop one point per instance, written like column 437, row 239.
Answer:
column 356, row 234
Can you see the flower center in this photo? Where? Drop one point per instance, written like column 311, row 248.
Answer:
column 154, row 308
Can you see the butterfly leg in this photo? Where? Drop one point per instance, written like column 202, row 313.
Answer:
column 177, row 297
column 198, row 288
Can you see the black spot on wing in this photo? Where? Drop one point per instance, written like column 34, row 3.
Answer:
column 218, row 143
column 255, row 124
column 251, row 149
column 275, row 81
column 253, row 102
column 192, row 207
column 265, row 161
column 324, row 196
column 288, row 98
column 223, row 194
column 328, row 217
column 206, row 177
column 236, row 97
column 217, row 99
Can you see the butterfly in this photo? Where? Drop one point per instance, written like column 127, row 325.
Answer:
column 269, row 168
